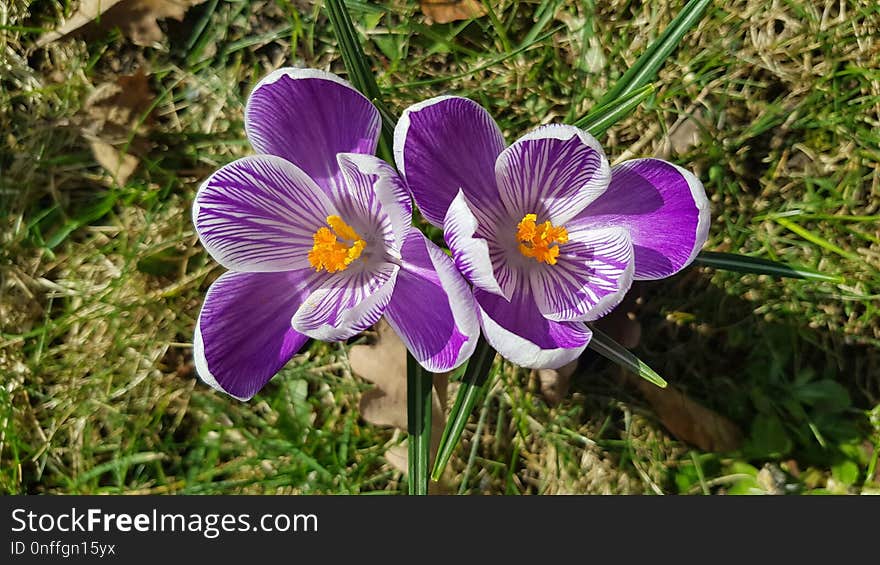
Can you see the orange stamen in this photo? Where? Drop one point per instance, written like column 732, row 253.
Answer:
column 329, row 253
column 540, row 241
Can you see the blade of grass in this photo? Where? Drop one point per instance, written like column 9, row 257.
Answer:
column 645, row 68
column 598, row 120
column 473, row 385
column 605, row 346
column 746, row 264
column 813, row 238
column 418, row 424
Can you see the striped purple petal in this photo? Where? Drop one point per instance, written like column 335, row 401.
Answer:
column 308, row 116
column 345, row 303
column 663, row 206
column 259, row 213
column 592, row 274
column 444, row 145
column 469, row 249
column 520, row 333
column 243, row 335
column 374, row 201
column 554, row 171
column 433, row 309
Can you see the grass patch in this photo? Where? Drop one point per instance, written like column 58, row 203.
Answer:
column 775, row 107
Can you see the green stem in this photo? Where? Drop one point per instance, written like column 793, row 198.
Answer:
column 473, row 385
column 418, row 422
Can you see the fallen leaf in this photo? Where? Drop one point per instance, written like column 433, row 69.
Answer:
column 88, row 11
column 116, row 119
column 684, row 135
column 690, row 421
column 119, row 107
column 554, row 382
column 445, row 11
column 138, row 19
column 120, row 165
column 383, row 363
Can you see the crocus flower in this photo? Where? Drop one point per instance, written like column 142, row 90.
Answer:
column 316, row 234
column 549, row 235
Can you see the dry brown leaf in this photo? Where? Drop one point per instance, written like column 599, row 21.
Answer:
column 120, row 165
column 116, row 119
column 554, row 382
column 88, row 11
column 383, row 363
column 116, row 108
column 138, row 19
column 690, row 421
column 684, row 135
column 445, row 11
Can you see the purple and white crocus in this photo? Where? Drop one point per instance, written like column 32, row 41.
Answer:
column 316, row 234
column 547, row 232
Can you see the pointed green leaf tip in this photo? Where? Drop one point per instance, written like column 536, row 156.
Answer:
column 757, row 266
column 648, row 64
column 605, row 346
column 600, row 119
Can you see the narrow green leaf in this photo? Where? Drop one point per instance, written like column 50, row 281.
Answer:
column 389, row 122
column 473, row 385
column 605, row 346
column 746, row 264
column 358, row 66
column 418, row 424
column 645, row 68
column 598, row 120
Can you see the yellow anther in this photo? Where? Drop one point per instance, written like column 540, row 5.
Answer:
column 540, row 241
column 329, row 253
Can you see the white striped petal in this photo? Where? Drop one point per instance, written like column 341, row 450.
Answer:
column 519, row 332
column 470, row 251
column 593, row 272
column 373, row 200
column 260, row 214
column 433, row 309
column 554, row 171
column 345, row 303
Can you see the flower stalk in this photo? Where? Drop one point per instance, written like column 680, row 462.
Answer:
column 418, row 419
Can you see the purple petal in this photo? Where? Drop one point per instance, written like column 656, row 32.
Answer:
column 260, row 213
column 243, row 336
column 663, row 206
column 307, row 116
column 433, row 309
column 345, row 303
column 373, row 200
column 470, row 251
column 592, row 274
column 520, row 333
column 444, row 145
column 555, row 172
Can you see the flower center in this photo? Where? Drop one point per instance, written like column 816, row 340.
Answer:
column 331, row 254
column 539, row 241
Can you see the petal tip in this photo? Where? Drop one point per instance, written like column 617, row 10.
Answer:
column 201, row 365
